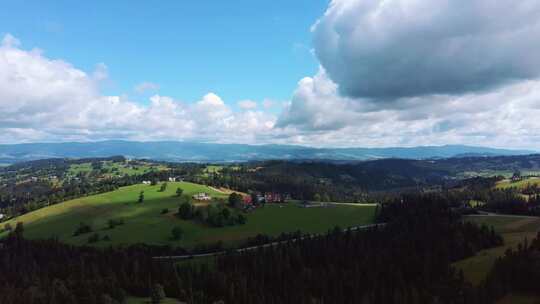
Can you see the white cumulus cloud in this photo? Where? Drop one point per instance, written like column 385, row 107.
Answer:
column 43, row 99
column 503, row 117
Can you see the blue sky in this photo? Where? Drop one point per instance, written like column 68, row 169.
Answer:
column 237, row 49
column 347, row 73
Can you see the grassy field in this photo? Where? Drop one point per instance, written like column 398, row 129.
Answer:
column 145, row 223
column 133, row 300
column 75, row 169
column 504, row 184
column 513, row 229
column 519, row 299
column 476, row 203
column 126, row 169
column 116, row 168
column 213, row 169
column 216, row 169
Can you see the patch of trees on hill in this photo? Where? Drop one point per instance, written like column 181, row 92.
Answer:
column 212, row 215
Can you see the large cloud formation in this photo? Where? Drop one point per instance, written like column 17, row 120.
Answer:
column 503, row 117
column 388, row 49
column 422, row 72
column 50, row 100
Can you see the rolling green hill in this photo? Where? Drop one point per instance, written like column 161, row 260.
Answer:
column 145, row 223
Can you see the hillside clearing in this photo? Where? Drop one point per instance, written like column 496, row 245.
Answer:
column 504, row 184
column 115, row 169
column 514, row 229
column 519, row 299
column 135, row 300
column 145, row 222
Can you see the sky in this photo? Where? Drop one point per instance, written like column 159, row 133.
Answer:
column 341, row 73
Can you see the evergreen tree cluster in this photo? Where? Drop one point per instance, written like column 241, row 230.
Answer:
column 517, row 272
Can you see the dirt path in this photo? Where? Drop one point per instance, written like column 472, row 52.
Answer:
column 483, row 214
column 195, row 256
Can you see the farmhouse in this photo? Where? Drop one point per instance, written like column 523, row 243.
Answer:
column 260, row 199
column 273, row 197
column 175, row 179
column 247, row 200
column 202, row 196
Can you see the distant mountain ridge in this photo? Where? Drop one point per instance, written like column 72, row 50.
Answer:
column 210, row 152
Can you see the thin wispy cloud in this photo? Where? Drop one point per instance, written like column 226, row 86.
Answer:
column 146, row 86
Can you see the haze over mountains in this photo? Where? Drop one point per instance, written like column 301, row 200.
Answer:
column 210, row 152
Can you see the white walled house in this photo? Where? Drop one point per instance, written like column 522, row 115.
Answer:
column 202, row 197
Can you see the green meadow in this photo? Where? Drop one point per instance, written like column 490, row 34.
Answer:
column 145, row 222
column 213, row 169
column 513, row 229
column 519, row 299
column 504, row 184
column 134, row 300
column 75, row 169
column 116, row 168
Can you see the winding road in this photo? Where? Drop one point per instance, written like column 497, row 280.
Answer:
column 204, row 255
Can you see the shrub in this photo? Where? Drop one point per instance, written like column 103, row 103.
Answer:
column 177, row 233
column 157, row 294
column 241, row 219
column 186, row 211
column 94, row 238
column 82, row 229
column 8, row 227
column 115, row 222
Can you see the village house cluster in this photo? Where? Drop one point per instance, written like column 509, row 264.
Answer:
column 169, row 179
column 266, row 198
column 250, row 200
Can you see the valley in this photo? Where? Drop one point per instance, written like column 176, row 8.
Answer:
column 196, row 219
